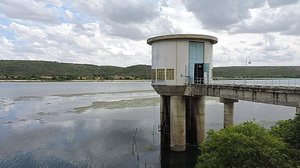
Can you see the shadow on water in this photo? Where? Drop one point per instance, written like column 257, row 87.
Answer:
column 187, row 159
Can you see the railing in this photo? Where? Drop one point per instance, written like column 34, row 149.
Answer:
column 187, row 80
column 294, row 82
column 284, row 82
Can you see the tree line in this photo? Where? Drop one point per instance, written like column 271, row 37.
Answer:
column 47, row 70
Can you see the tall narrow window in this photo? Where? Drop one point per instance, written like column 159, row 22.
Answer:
column 153, row 74
column 170, row 74
column 160, row 74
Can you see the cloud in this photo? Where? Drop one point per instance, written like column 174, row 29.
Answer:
column 66, row 43
column 133, row 11
column 5, row 45
column 114, row 33
column 131, row 20
column 30, row 10
column 216, row 15
column 90, row 34
column 266, row 49
column 294, row 29
column 135, row 19
column 137, row 32
column 278, row 3
column 274, row 51
column 258, row 44
column 236, row 16
column 266, row 20
column 132, row 31
column 269, row 43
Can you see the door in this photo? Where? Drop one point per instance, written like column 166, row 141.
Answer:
column 196, row 56
column 198, row 73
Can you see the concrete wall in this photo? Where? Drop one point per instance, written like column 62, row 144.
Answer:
column 174, row 54
column 171, row 55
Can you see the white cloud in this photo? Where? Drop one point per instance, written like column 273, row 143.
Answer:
column 113, row 33
column 5, row 45
column 215, row 15
column 133, row 11
column 31, row 10
column 266, row 49
column 283, row 20
column 62, row 43
column 278, row 3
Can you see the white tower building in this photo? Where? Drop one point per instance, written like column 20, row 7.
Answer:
column 181, row 59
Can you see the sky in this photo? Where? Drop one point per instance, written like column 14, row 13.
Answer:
column 114, row 32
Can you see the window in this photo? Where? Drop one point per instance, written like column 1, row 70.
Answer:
column 160, row 74
column 170, row 74
column 153, row 74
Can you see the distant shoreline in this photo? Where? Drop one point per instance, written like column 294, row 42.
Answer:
column 40, row 71
column 3, row 81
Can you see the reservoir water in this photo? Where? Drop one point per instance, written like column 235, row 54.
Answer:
column 99, row 124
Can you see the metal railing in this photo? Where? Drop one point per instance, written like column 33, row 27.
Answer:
column 276, row 82
column 284, row 82
column 295, row 82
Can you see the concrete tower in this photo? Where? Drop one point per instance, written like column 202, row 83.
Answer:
column 179, row 60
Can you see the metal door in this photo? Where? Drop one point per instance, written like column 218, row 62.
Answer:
column 198, row 74
column 196, row 56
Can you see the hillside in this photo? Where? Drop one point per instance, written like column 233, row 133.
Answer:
column 257, row 72
column 45, row 70
column 24, row 70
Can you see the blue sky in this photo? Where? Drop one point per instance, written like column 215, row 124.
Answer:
column 112, row 32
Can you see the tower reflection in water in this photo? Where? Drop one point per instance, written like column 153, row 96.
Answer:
column 186, row 159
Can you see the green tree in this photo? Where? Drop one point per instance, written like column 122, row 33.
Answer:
column 245, row 145
column 289, row 131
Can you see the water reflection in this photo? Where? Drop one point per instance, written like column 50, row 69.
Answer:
column 185, row 159
column 88, row 143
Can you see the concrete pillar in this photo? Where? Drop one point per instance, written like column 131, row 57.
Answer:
column 198, row 107
column 165, row 121
column 228, row 111
column 177, row 125
column 298, row 110
column 161, row 110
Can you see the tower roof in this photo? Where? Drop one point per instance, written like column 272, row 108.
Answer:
column 212, row 39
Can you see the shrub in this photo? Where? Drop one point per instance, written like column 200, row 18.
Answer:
column 245, row 145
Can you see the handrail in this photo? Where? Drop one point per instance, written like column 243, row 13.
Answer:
column 292, row 82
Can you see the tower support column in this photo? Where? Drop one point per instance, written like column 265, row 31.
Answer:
column 198, row 107
column 228, row 111
column 177, row 123
column 162, row 118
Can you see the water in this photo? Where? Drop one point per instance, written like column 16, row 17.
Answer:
column 99, row 124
